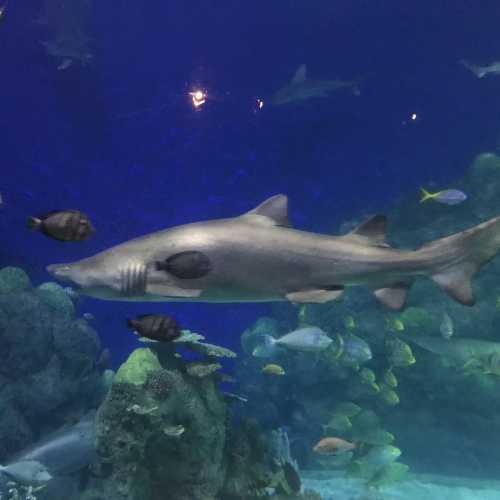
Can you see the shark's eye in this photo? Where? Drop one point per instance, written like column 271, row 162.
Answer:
column 186, row 265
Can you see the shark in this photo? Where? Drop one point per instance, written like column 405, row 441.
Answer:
column 482, row 71
column 259, row 257
column 301, row 88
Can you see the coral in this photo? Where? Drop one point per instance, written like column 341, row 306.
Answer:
column 210, row 350
column 200, row 369
column 137, row 367
column 56, row 298
column 48, row 361
column 13, row 279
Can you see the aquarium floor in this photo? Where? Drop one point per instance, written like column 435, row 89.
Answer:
column 333, row 486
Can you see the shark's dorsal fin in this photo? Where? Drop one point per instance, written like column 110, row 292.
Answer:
column 300, row 75
column 273, row 211
column 372, row 231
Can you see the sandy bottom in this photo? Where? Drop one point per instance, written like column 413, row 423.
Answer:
column 332, row 486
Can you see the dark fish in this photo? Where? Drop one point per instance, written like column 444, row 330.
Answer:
column 159, row 327
column 186, row 265
column 63, row 225
column 292, row 477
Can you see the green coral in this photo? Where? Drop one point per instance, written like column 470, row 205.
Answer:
column 137, row 367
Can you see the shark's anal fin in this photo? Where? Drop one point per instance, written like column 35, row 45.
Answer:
column 393, row 296
column 456, row 282
column 314, row 296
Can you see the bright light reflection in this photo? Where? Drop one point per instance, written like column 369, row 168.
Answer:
column 198, row 98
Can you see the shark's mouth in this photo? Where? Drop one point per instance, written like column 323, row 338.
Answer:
column 60, row 271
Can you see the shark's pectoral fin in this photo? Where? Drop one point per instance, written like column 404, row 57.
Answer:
column 456, row 282
column 393, row 296
column 314, row 296
column 172, row 291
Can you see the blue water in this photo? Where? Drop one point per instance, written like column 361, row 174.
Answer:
column 120, row 140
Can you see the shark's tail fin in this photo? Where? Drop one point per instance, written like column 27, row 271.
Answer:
column 468, row 251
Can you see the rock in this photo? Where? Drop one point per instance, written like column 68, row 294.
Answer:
column 139, row 364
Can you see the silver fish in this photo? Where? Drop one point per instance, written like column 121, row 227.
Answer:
column 258, row 257
column 308, row 339
column 355, row 350
column 27, row 472
column 446, row 327
column 302, row 88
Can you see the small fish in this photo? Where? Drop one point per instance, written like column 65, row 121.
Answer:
column 273, row 369
column 88, row 316
column 394, row 324
column 381, row 455
column 307, row 339
column 482, row 71
column 63, row 225
column 367, row 376
column 356, row 350
column 390, row 379
column 446, row 327
column 339, row 423
column 3, row 8
column 349, row 323
column 27, row 472
column 347, row 409
column 448, row 196
column 174, row 430
column 399, row 353
column 332, row 446
column 230, row 397
column 388, row 395
column 156, row 327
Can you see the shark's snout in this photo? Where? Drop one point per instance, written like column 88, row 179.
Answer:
column 60, row 271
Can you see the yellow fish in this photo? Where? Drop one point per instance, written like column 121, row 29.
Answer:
column 349, row 322
column 272, row 369
column 395, row 324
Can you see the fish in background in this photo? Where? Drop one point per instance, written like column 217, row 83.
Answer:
column 446, row 327
column 302, row 88
column 273, row 369
column 482, row 71
column 27, row 472
column 67, row 24
column 63, row 225
column 307, row 339
column 355, row 351
column 155, row 327
column 333, row 446
column 447, row 197
column 66, row 451
column 3, row 8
